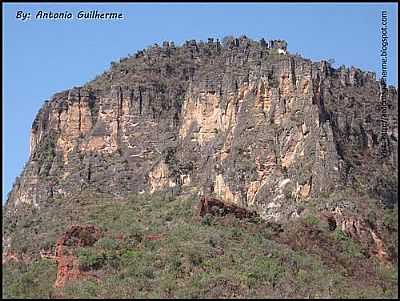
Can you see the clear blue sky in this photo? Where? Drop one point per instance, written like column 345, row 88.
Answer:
column 42, row 57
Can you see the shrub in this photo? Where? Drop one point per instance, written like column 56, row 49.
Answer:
column 340, row 235
column 391, row 219
column 207, row 220
column 265, row 269
column 175, row 264
column 236, row 233
column 311, row 220
column 352, row 248
column 215, row 240
column 106, row 243
column 130, row 256
column 195, row 257
column 90, row 260
column 148, row 272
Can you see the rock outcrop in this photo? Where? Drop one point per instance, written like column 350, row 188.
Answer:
column 69, row 268
column 208, row 205
column 244, row 121
column 359, row 230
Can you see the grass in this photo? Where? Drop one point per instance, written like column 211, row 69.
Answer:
column 193, row 257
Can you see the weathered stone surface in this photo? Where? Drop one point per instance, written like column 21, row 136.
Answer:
column 217, row 207
column 239, row 120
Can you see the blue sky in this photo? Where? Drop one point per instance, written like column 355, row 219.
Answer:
column 42, row 57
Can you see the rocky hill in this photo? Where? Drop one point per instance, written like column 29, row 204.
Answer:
column 242, row 121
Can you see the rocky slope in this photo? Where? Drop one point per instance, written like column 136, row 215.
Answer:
column 153, row 246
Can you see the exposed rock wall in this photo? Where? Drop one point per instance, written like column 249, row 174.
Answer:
column 253, row 126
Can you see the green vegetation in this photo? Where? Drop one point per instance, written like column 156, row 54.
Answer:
column 311, row 220
column 156, row 247
column 33, row 281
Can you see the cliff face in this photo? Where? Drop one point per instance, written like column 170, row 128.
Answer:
column 243, row 120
